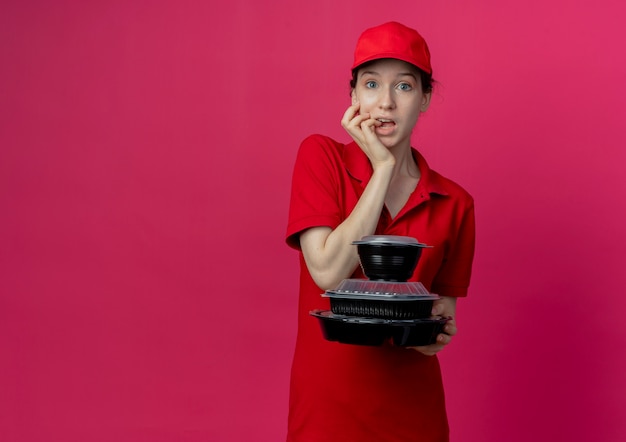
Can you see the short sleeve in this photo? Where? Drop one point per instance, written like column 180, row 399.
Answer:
column 315, row 191
column 454, row 275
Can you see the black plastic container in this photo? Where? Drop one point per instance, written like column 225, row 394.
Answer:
column 388, row 257
column 351, row 330
column 420, row 332
column 385, row 309
column 381, row 299
column 374, row 332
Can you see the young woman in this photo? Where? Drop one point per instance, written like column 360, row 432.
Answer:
column 376, row 184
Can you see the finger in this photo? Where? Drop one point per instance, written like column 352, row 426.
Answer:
column 369, row 122
column 437, row 309
column 443, row 339
column 359, row 129
column 354, row 125
column 450, row 328
column 363, row 121
column 368, row 127
column 349, row 114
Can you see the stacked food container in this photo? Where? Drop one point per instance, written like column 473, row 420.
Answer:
column 384, row 307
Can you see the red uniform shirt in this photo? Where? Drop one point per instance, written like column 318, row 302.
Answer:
column 343, row 392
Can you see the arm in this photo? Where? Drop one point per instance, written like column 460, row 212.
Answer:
column 328, row 254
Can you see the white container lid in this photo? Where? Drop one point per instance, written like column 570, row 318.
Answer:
column 388, row 290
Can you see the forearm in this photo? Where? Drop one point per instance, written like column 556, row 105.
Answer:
column 329, row 255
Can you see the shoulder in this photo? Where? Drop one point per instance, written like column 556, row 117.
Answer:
column 320, row 152
column 317, row 143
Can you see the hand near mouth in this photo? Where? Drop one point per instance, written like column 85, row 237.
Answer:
column 362, row 129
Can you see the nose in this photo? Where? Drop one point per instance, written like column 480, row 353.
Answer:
column 386, row 99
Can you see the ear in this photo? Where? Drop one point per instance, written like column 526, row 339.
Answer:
column 425, row 102
column 353, row 95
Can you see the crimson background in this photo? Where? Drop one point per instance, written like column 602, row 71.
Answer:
column 146, row 151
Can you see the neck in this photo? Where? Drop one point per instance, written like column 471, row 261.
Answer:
column 406, row 165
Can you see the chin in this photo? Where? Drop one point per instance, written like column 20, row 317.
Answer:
column 391, row 143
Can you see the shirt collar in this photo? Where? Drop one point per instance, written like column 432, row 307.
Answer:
column 360, row 168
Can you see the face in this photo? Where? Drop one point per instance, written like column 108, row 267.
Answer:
column 391, row 91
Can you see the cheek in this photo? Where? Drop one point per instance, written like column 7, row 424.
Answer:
column 410, row 116
column 366, row 101
column 415, row 117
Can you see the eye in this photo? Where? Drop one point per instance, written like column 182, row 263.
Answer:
column 371, row 84
column 405, row 87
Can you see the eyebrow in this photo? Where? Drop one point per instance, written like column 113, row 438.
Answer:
column 401, row 74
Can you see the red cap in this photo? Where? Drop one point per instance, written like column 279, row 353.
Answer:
column 392, row 40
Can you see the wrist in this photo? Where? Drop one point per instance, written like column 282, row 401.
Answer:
column 384, row 166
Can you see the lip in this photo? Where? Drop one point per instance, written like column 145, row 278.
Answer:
column 388, row 126
column 386, row 119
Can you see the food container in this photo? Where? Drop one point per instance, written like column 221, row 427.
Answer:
column 381, row 299
column 418, row 332
column 384, row 307
column 389, row 257
column 375, row 331
column 351, row 330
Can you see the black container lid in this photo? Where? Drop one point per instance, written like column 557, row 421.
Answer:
column 390, row 240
